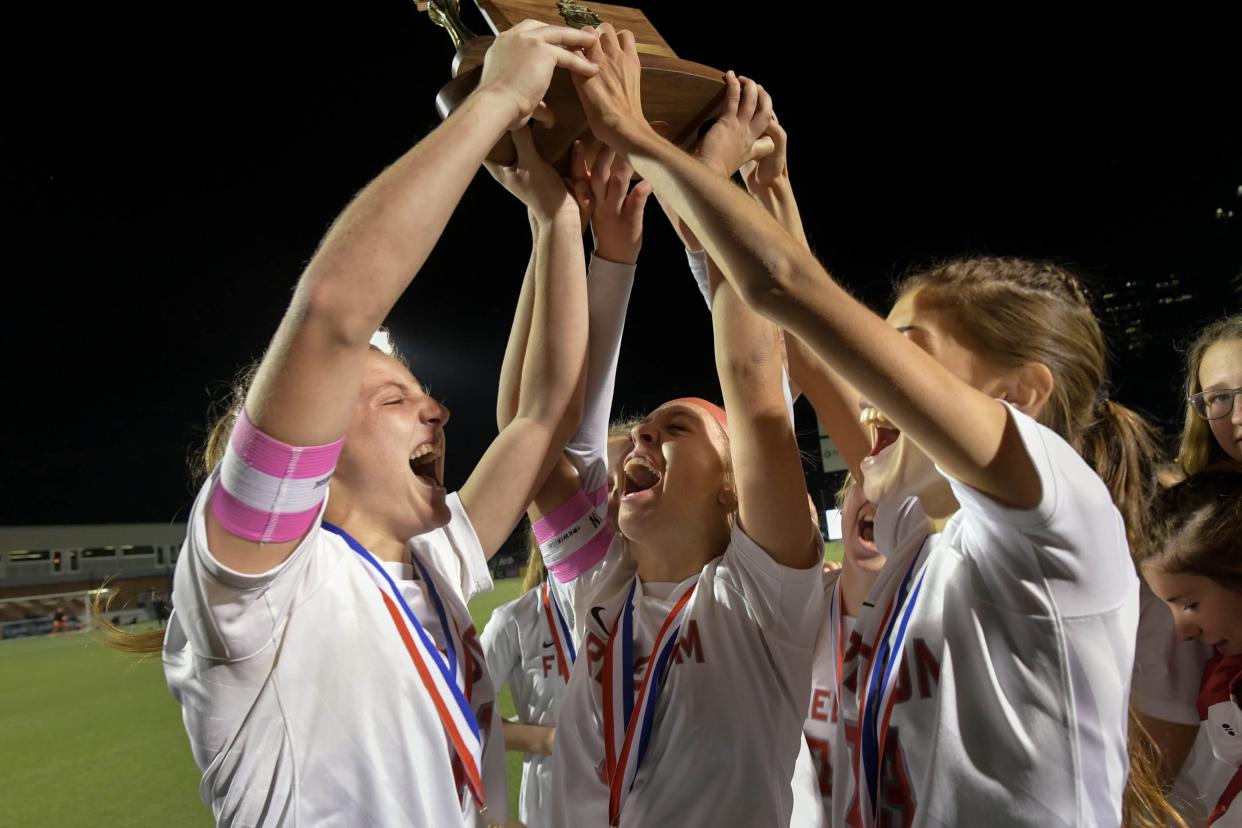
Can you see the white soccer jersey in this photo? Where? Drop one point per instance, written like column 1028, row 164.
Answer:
column 1008, row 702
column 822, row 714
column 521, row 651
column 300, row 699
column 728, row 723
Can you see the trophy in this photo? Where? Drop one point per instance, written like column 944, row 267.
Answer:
column 678, row 96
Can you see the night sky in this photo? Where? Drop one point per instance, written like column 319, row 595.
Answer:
column 168, row 174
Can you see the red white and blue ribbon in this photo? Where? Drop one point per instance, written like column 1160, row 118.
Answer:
column 878, row 697
column 565, row 653
column 624, row 751
column 448, row 685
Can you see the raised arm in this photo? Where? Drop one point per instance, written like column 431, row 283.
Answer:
column 549, row 398
column 835, row 401
column 307, row 383
column 616, row 218
column 965, row 431
column 767, row 468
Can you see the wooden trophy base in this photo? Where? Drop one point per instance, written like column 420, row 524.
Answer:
column 678, row 95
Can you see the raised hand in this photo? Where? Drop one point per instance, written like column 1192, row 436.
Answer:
column 519, row 65
column 765, row 170
column 617, row 220
column 738, row 134
column 532, row 179
column 612, row 98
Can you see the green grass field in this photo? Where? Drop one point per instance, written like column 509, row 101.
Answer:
column 92, row 738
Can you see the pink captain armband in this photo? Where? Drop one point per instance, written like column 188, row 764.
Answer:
column 575, row 536
column 270, row 491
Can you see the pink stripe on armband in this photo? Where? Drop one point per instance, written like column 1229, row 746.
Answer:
column 586, row 557
column 562, row 517
column 269, row 491
column 244, row 522
column 271, row 456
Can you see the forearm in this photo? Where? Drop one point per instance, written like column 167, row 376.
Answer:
column 767, row 469
column 556, row 348
column 608, row 295
column 960, row 428
column 517, row 463
column 835, row 401
column 304, row 390
column 778, row 200
column 528, row 738
column 508, row 393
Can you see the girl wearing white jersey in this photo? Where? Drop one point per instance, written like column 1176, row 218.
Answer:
column 1168, row 671
column 994, row 662
column 529, row 641
column 527, row 645
column 722, row 613
column 1193, row 565
column 321, row 649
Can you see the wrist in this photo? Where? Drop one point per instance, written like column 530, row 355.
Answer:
column 777, row 187
column 634, row 135
column 496, row 101
column 558, row 215
column 715, row 165
column 622, row 254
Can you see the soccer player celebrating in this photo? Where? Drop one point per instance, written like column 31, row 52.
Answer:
column 321, row 649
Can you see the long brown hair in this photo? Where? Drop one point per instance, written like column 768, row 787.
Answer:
column 1199, row 448
column 1198, row 527
column 1017, row 311
column 535, row 573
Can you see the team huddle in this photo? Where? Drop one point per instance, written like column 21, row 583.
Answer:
column 992, row 650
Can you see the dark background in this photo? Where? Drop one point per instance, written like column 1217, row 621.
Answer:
column 168, row 171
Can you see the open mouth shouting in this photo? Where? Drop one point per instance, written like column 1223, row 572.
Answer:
column 883, row 433
column 641, row 479
column 427, row 463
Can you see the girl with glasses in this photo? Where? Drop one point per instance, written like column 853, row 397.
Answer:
column 1213, row 429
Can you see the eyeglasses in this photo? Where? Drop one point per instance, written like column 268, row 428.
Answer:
column 1214, row 404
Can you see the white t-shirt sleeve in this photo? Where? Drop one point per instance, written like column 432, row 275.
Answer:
column 1167, row 670
column 454, row 550
column 608, row 297
column 1074, row 540
column 697, row 259
column 228, row 615
column 788, row 603
column 500, row 645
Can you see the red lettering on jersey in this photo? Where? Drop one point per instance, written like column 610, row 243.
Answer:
column 855, row 647
column 821, row 756
column 475, row 648
column 896, row 799
column 896, row 792
column 926, row 666
column 904, row 689
column 689, row 645
column 548, row 661
column 856, row 654
column 819, row 704
column 853, row 818
column 851, row 678
column 594, row 646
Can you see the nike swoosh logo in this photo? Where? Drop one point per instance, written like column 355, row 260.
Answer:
column 547, row 645
column 595, row 611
